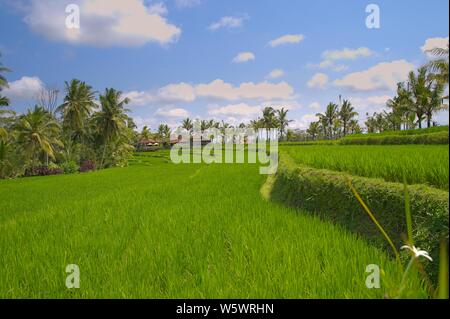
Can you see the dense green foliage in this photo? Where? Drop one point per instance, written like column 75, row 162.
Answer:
column 76, row 132
column 419, row 164
column 432, row 138
column 327, row 193
column 429, row 130
column 159, row 230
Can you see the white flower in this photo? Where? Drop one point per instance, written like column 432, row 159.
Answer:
column 417, row 252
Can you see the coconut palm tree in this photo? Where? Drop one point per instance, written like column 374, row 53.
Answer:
column 3, row 81
column 188, row 125
column 77, row 107
column 418, row 93
column 313, row 130
column 346, row 114
column 353, row 127
column 282, row 120
column 164, row 133
column 4, row 101
column 145, row 133
column 435, row 103
column 111, row 120
column 439, row 66
column 37, row 133
column 269, row 120
column 328, row 118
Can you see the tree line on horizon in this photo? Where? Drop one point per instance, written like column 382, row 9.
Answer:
column 94, row 130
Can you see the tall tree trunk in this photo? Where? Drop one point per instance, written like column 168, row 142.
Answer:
column 104, row 154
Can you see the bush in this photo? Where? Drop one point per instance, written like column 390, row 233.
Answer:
column 70, row 167
column 327, row 194
column 431, row 138
column 87, row 166
column 43, row 171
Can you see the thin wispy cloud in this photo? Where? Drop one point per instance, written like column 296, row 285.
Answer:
column 181, row 4
column 228, row 22
column 287, row 39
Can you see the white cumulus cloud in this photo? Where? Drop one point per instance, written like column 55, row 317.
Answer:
column 319, row 80
column 244, row 57
column 103, row 22
column 433, row 43
column 383, row 76
column 172, row 112
column 275, row 74
column 26, row 88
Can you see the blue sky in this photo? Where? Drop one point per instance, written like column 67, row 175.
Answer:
column 220, row 59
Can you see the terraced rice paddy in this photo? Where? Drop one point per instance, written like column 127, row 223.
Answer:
column 420, row 164
column 159, row 230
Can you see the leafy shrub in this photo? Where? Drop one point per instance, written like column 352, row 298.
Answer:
column 43, row 171
column 431, row 138
column 327, row 194
column 70, row 167
column 87, row 166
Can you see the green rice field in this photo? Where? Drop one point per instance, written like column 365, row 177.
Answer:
column 160, row 230
column 420, row 164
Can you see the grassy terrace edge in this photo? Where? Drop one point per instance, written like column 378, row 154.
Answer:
column 432, row 135
column 327, row 194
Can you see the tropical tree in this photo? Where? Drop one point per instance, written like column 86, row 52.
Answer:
column 313, row 130
column 282, row 121
column 111, row 120
column 354, row 127
column 164, row 133
column 346, row 114
column 145, row 133
column 439, row 66
column 38, row 133
column 4, row 101
column 76, row 108
column 328, row 118
column 188, row 125
column 269, row 120
column 418, row 93
column 434, row 103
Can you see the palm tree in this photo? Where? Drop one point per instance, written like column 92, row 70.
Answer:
column 77, row 107
column 37, row 133
column 346, row 114
column 328, row 118
column 269, row 120
column 4, row 101
column 145, row 134
column 418, row 93
column 111, row 120
column 3, row 81
column 434, row 102
column 164, row 133
column 188, row 125
column 353, row 127
column 439, row 66
column 283, row 122
column 313, row 130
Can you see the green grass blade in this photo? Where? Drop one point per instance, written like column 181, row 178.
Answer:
column 408, row 215
column 372, row 216
column 443, row 271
